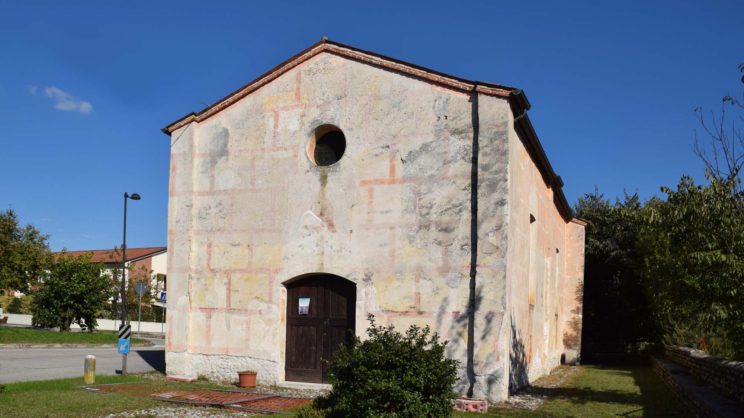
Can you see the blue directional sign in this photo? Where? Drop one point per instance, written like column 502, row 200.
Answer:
column 162, row 297
column 123, row 345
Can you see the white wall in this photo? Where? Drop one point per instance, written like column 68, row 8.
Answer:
column 103, row 324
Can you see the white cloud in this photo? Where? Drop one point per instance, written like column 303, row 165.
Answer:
column 64, row 101
column 33, row 90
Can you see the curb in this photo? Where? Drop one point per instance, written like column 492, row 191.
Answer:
column 56, row 345
column 25, row 346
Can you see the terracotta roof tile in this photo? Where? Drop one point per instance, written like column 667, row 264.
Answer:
column 111, row 256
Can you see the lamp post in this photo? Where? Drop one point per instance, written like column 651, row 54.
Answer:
column 133, row 196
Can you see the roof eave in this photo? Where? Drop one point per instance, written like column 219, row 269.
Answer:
column 523, row 126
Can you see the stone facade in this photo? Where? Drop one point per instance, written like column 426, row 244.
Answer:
column 249, row 211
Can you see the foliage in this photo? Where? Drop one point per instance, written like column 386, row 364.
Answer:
column 24, row 253
column 617, row 318
column 309, row 411
column 73, row 291
column 693, row 245
column 685, row 253
column 136, row 275
column 391, row 375
column 21, row 306
column 15, row 305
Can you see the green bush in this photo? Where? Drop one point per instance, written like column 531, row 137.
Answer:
column 73, row 291
column 15, row 305
column 308, row 411
column 391, row 375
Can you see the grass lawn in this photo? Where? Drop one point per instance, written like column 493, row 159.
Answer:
column 12, row 335
column 592, row 392
column 603, row 392
column 64, row 398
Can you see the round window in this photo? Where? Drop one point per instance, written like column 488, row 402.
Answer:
column 327, row 145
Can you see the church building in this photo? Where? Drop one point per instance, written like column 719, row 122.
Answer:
column 344, row 183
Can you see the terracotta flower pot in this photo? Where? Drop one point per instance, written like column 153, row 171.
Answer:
column 247, row 379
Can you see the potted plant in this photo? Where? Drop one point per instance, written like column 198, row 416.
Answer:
column 247, row 379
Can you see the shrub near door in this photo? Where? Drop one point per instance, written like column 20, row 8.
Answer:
column 391, row 374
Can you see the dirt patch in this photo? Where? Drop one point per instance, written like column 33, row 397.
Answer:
column 271, row 404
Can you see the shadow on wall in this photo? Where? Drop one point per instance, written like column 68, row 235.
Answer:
column 572, row 336
column 518, row 377
column 457, row 344
column 154, row 358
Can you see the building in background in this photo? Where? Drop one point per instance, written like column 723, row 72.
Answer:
column 147, row 264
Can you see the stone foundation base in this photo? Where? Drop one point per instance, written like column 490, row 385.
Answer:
column 471, row 405
column 219, row 368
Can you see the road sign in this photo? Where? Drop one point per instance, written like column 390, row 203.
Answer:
column 162, row 297
column 140, row 288
column 125, row 331
column 123, row 346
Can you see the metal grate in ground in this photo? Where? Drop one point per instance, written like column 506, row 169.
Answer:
column 248, row 401
column 270, row 405
column 207, row 397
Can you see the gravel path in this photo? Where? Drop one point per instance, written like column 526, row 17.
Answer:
column 534, row 395
column 181, row 412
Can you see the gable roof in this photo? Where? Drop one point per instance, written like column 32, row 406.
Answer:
column 516, row 97
column 336, row 48
column 111, row 256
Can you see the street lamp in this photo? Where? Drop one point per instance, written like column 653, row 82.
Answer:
column 133, row 196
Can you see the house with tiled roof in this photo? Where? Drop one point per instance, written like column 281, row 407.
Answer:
column 149, row 263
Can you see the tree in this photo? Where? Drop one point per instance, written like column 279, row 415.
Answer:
column 693, row 246
column 24, row 253
column 139, row 274
column 723, row 152
column 73, row 291
column 617, row 318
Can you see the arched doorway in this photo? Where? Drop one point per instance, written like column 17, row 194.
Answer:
column 320, row 317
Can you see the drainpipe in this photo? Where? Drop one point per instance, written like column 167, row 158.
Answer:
column 470, row 367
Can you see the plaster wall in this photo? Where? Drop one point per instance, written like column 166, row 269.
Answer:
column 248, row 211
column 159, row 264
column 545, row 270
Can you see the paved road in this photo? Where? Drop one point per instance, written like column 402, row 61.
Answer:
column 18, row 365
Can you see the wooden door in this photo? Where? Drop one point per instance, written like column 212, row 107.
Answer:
column 320, row 317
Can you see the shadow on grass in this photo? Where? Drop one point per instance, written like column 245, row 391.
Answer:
column 600, row 391
column 581, row 396
column 656, row 397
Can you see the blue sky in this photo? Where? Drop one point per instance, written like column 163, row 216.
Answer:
column 86, row 86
